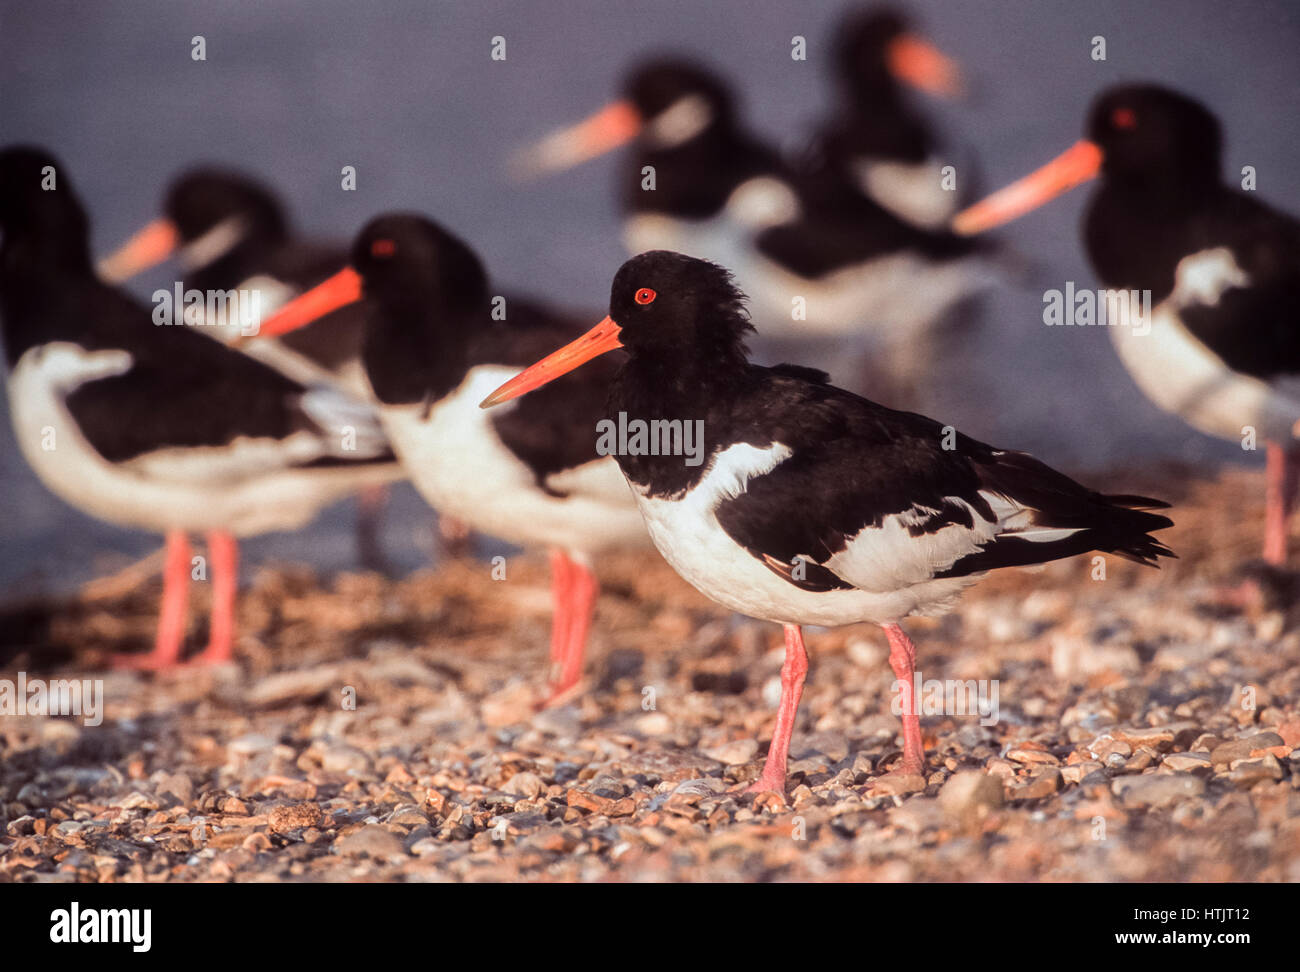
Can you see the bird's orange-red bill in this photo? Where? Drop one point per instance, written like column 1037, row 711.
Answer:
column 599, row 340
column 150, row 245
column 326, row 297
column 1076, row 165
column 922, row 65
column 614, row 125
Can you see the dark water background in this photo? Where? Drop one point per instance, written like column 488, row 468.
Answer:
column 406, row 91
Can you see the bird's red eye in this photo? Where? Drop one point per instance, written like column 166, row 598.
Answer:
column 383, row 249
column 645, row 295
column 1125, row 118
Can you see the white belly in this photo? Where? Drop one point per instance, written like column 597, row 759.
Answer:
column 687, row 533
column 462, row 469
column 1183, row 376
column 186, row 489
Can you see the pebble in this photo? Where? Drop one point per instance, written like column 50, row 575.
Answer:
column 525, row 784
column 969, row 796
column 371, row 841
column 1188, row 762
column 1246, row 773
column 295, row 817
column 895, row 784
column 345, row 759
column 738, row 752
column 1043, row 783
column 1157, row 789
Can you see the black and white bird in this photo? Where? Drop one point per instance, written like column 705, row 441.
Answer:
column 813, row 505
column 433, row 348
column 231, row 233
column 821, row 261
column 1219, row 271
column 875, row 139
column 152, row 426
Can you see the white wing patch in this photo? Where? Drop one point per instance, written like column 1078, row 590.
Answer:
column 1202, row 278
column 352, row 428
column 911, row 191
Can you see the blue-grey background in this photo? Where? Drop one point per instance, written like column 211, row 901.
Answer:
column 406, row 91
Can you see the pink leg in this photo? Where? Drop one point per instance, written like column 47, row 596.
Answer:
column 902, row 659
column 792, row 676
column 1279, row 497
column 171, row 614
column 561, row 583
column 575, row 601
column 370, row 512
column 454, row 536
column 223, row 551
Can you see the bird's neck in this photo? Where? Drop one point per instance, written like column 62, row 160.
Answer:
column 665, row 383
column 412, row 354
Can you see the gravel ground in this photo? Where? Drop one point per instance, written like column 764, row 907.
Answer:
column 1148, row 730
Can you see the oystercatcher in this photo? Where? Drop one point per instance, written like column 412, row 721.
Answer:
column 876, row 141
column 230, row 232
column 818, row 258
column 1219, row 270
column 432, row 350
column 153, row 426
column 813, row 505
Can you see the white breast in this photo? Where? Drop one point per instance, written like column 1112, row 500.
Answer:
column 1183, row 376
column 462, row 469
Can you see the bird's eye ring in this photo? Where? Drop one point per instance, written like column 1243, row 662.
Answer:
column 382, row 249
column 644, row 296
column 1124, row 118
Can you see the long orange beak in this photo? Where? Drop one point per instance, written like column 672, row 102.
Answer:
column 326, row 297
column 151, row 245
column 922, row 65
column 600, row 339
column 614, row 125
column 1074, row 166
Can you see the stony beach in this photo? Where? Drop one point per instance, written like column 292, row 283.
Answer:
column 1147, row 728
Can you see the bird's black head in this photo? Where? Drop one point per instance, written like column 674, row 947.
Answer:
column 407, row 260
column 1150, row 133
column 667, row 304
column 40, row 214
column 677, row 100
column 202, row 200
column 862, row 46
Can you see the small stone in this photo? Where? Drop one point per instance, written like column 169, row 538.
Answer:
column 734, row 753
column 1229, row 752
column 1247, row 772
column 284, row 819
column 1188, row 762
column 250, row 744
column 1043, row 784
column 583, row 800
column 1024, row 754
column 654, row 724
column 896, row 784
column 969, row 796
column 370, row 841
column 525, row 784
column 1078, row 772
column 178, row 785
column 345, row 759
column 1157, row 789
